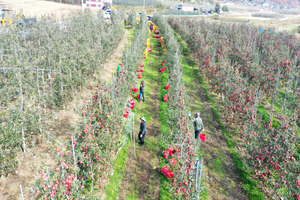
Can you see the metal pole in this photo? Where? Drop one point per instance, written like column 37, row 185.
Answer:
column 278, row 75
column 253, row 110
column 74, row 156
column 130, row 125
column 92, row 180
column 22, row 192
column 200, row 177
column 133, row 135
column 23, row 9
column 196, row 177
column 82, row 5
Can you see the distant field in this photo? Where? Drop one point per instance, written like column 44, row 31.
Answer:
column 35, row 8
column 286, row 23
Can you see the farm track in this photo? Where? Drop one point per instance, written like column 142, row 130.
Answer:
column 141, row 174
column 26, row 174
column 220, row 173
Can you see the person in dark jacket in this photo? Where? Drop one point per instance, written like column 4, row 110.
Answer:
column 142, row 91
column 198, row 125
column 143, row 131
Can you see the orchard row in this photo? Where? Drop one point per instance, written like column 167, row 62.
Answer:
column 255, row 74
column 180, row 149
column 44, row 66
column 89, row 159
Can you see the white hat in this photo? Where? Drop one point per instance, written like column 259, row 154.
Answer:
column 143, row 118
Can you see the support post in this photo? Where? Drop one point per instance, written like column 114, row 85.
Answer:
column 22, row 192
column 133, row 135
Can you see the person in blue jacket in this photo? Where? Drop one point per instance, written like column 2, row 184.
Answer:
column 142, row 91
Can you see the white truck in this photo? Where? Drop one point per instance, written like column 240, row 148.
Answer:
column 186, row 8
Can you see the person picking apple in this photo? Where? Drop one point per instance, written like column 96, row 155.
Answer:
column 198, row 125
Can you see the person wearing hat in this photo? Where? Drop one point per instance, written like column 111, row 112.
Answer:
column 198, row 125
column 143, row 131
column 142, row 91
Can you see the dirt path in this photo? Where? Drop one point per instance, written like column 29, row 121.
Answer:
column 141, row 174
column 220, row 173
column 111, row 64
column 25, row 172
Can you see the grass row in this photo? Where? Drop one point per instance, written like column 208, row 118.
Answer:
column 164, row 182
column 188, row 77
column 142, row 109
column 164, row 187
column 112, row 189
column 249, row 184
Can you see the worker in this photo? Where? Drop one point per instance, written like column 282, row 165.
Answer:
column 151, row 28
column 125, row 22
column 198, row 125
column 142, row 91
column 143, row 131
column 118, row 69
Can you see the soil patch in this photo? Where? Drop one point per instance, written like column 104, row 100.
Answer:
column 111, row 65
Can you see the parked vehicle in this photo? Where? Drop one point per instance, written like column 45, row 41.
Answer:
column 27, row 21
column 107, row 15
column 186, row 8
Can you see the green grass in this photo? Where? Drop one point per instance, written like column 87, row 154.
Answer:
column 266, row 116
column 112, row 190
column 249, row 185
column 295, row 30
column 151, row 79
column 188, row 77
column 164, row 182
